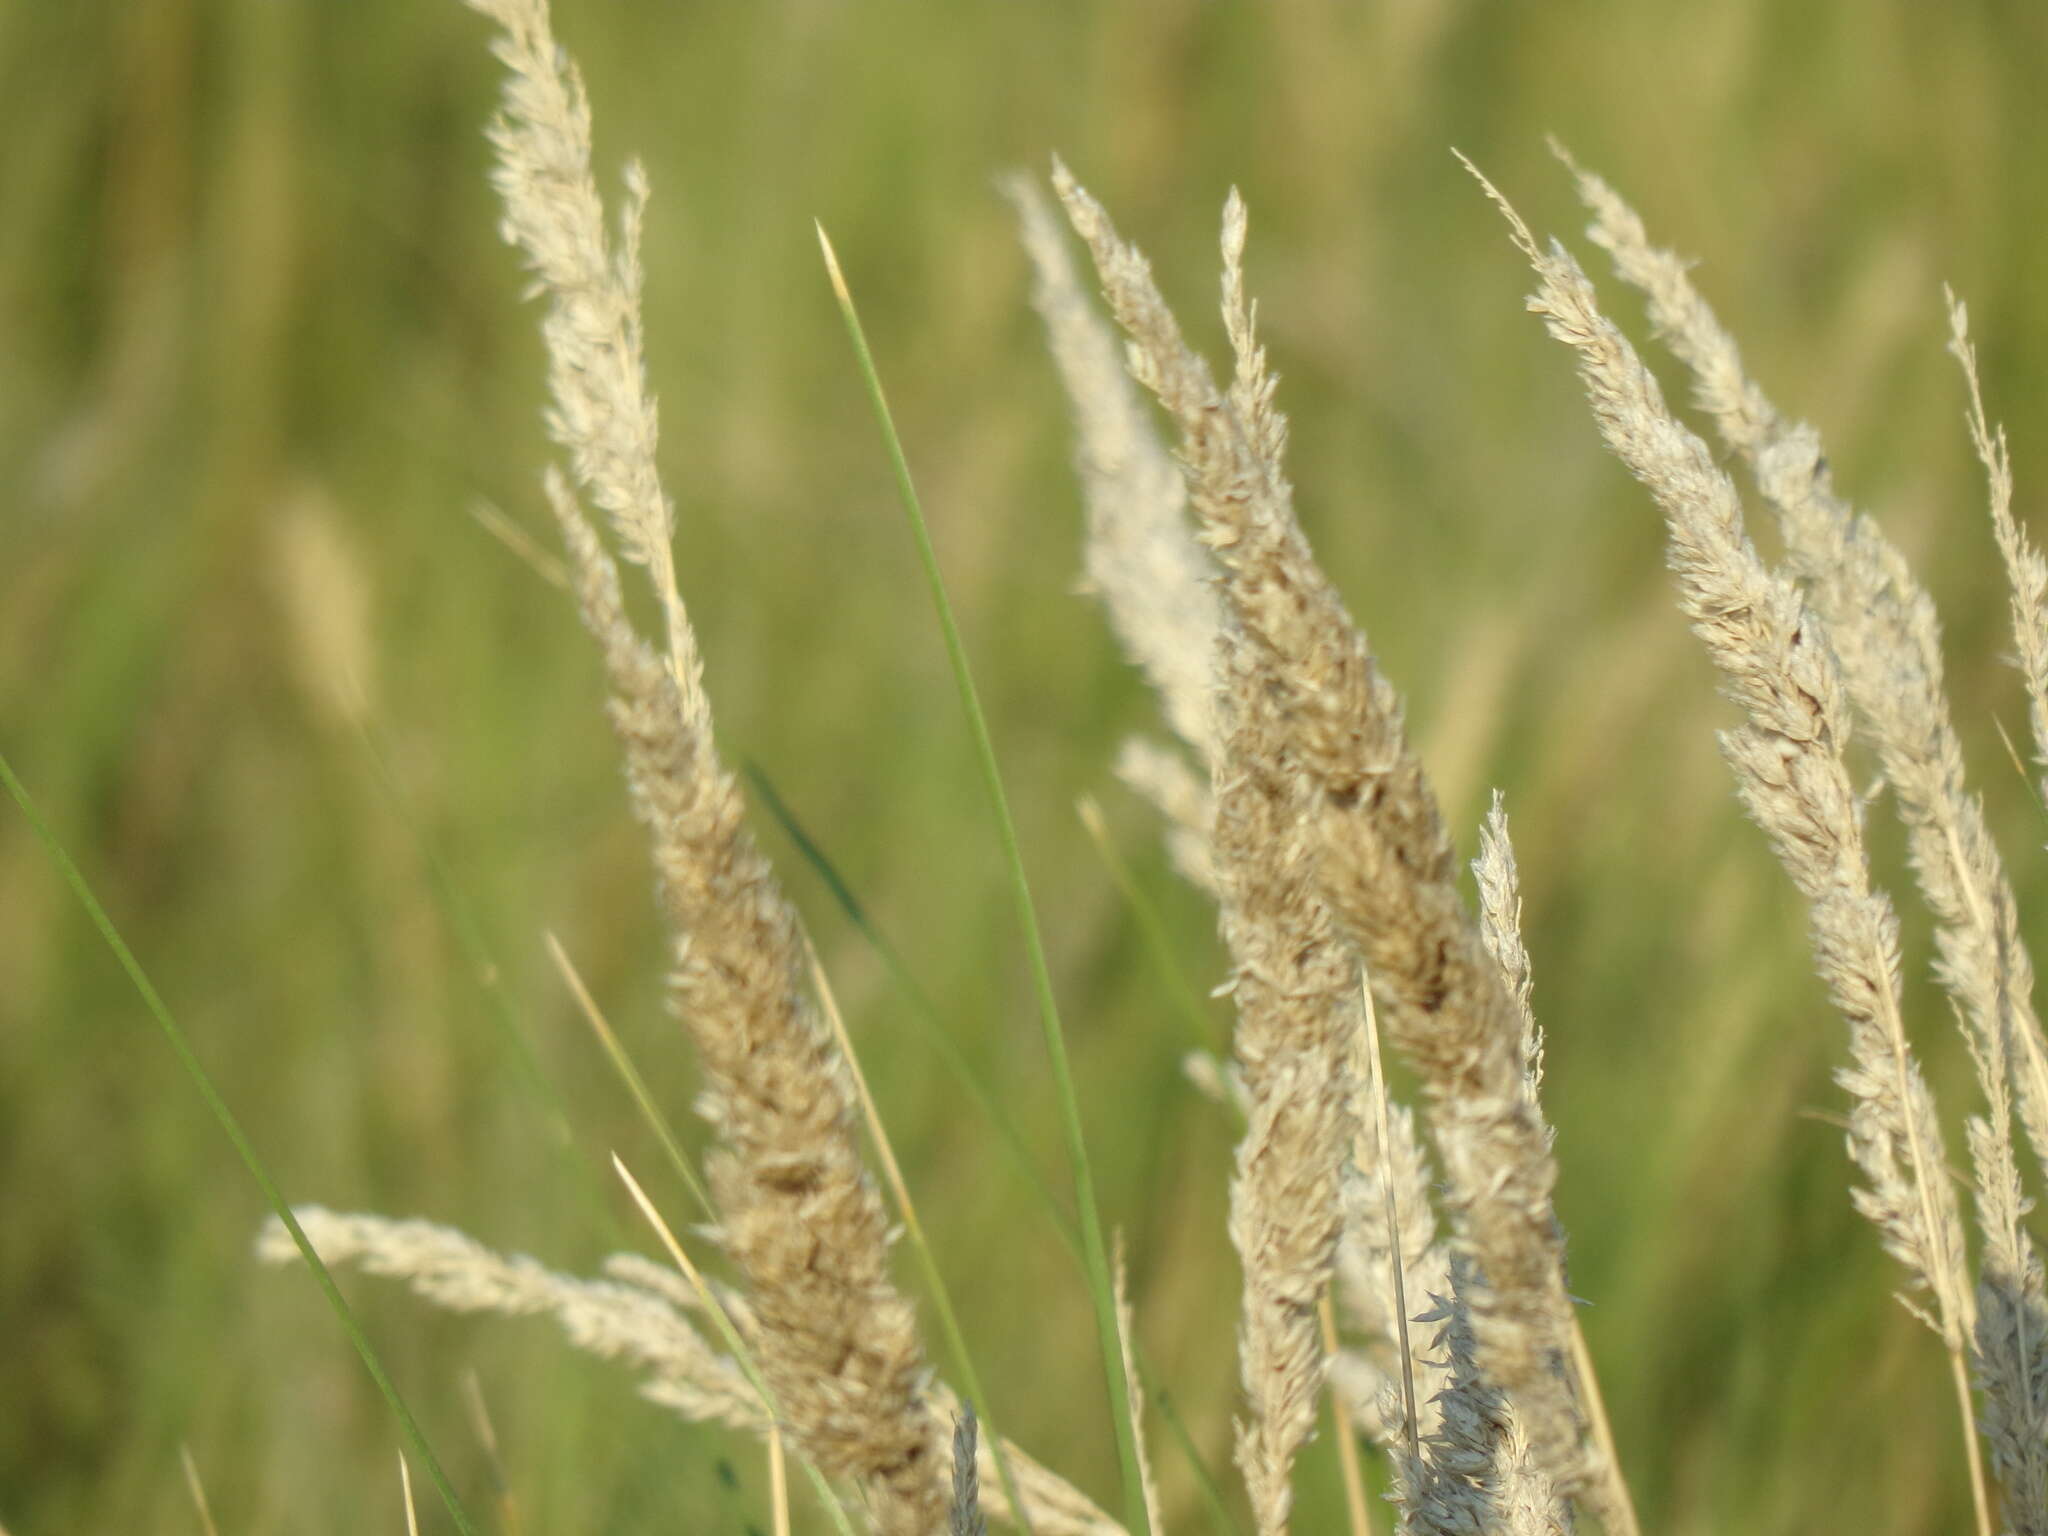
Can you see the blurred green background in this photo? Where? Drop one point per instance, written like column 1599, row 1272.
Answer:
column 301, row 719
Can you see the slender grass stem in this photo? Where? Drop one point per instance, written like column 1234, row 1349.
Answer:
column 197, row 1490
column 1095, row 1249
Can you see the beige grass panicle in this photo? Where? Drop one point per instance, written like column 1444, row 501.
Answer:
column 1321, row 836
column 1155, row 583
column 797, row 1211
column 1295, row 983
column 1385, row 864
column 1880, row 625
column 1777, row 663
column 2011, row 1342
column 1885, row 636
column 1140, row 556
column 1389, row 1255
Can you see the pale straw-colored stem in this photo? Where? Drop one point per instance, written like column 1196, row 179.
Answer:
column 412, row 1514
column 1127, row 1336
column 195, row 1489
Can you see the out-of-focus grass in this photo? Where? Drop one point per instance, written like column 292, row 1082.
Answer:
column 263, row 352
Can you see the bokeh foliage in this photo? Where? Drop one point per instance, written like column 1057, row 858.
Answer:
column 307, row 725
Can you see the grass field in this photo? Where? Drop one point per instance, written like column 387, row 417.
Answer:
column 332, row 754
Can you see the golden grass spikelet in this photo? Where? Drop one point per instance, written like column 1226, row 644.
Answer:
column 1386, row 865
column 1500, row 929
column 1295, row 985
column 1056, row 1506
column 602, row 409
column 963, row 1514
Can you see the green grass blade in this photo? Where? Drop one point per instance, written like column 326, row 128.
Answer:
column 1095, row 1249
column 181, row 1047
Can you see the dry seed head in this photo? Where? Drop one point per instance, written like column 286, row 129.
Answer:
column 1386, row 868
column 1775, row 663
column 837, row 1343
